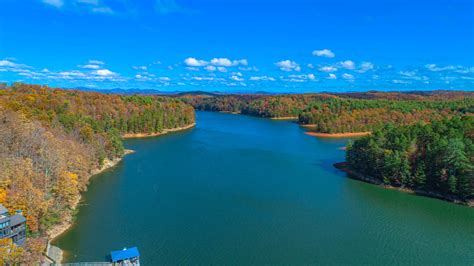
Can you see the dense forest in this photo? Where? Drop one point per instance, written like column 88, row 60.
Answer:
column 52, row 140
column 340, row 113
column 435, row 159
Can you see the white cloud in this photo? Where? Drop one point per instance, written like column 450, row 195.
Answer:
column 89, row 66
column 144, row 68
column 96, row 62
column 222, row 69
column 248, row 68
column 210, row 68
column 287, row 65
column 193, row 62
column 365, row 66
column 324, row 53
column 262, row 78
column 236, row 78
column 164, row 79
column 192, row 68
column 104, row 73
column 310, row 66
column 408, row 73
column 348, row 64
column 397, row 81
column 435, row 68
column 8, row 63
column 143, row 77
column 302, row 77
column 348, row 76
column 55, row 3
column 458, row 68
column 327, row 69
column 332, row 76
column 202, row 78
column 242, row 62
column 225, row 62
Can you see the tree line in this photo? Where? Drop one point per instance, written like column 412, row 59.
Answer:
column 348, row 112
column 52, row 140
column 435, row 157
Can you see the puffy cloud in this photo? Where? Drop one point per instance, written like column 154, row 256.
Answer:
column 287, row 65
column 9, row 63
column 332, row 76
column 193, row 62
column 327, row 69
column 225, row 62
column 55, row 3
column 210, row 68
column 365, row 66
column 348, row 64
column 324, row 53
column 104, row 73
column 222, row 69
column 302, row 77
column 310, row 66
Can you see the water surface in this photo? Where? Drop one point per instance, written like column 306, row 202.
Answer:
column 245, row 190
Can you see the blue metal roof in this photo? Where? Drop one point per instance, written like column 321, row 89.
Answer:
column 124, row 254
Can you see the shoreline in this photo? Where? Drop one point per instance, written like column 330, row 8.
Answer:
column 343, row 166
column 284, row 118
column 165, row 131
column 61, row 228
column 338, row 135
column 68, row 222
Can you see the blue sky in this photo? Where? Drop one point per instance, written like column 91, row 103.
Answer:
column 283, row 46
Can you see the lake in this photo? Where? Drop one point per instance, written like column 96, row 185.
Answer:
column 245, row 190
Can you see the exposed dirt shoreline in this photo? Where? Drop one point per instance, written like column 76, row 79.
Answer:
column 165, row 131
column 284, row 118
column 343, row 166
column 338, row 135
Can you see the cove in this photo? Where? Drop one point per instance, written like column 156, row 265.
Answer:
column 245, row 190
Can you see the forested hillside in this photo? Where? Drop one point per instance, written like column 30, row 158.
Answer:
column 349, row 112
column 52, row 140
column 435, row 158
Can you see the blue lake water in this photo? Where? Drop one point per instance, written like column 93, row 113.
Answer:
column 245, row 190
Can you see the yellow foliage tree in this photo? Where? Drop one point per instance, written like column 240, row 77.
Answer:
column 10, row 254
column 67, row 188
